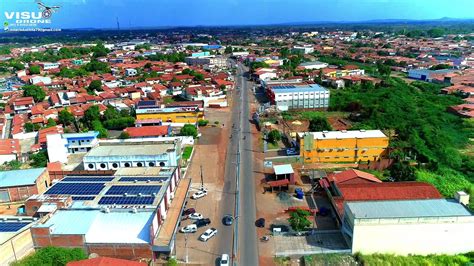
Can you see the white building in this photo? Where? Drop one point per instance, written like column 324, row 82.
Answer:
column 314, row 65
column 40, row 79
column 287, row 97
column 434, row 226
column 304, row 49
column 216, row 61
column 130, row 72
column 61, row 145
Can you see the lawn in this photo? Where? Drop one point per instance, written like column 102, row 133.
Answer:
column 187, row 152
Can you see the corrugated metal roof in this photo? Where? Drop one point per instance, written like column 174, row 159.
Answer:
column 20, row 177
column 406, row 209
column 283, row 169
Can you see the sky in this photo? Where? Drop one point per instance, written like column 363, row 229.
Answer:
column 162, row 13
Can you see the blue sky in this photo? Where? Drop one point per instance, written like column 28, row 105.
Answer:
column 155, row 13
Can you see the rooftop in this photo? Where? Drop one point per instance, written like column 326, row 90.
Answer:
column 20, row 177
column 129, row 149
column 90, row 134
column 298, row 88
column 406, row 209
column 283, row 169
column 349, row 134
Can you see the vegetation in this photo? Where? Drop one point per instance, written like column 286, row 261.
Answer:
column 51, row 123
column 119, row 123
column 319, row 123
column 124, row 135
column 299, row 219
column 39, row 159
column 334, row 259
column 29, row 127
column 173, row 57
column 188, row 130
column 65, row 117
column 172, row 262
column 274, row 136
column 34, row 91
column 187, row 152
column 52, row 256
column 34, row 70
column 203, row 122
column 386, row 259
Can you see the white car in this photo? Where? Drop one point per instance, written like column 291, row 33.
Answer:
column 192, row 228
column 196, row 216
column 199, row 194
column 208, row 234
column 224, row 260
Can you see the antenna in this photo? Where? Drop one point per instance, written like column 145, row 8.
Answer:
column 118, row 24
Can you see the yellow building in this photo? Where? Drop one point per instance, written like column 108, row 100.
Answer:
column 189, row 115
column 342, row 146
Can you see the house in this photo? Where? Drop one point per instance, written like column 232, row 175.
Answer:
column 429, row 75
column 17, row 185
column 148, row 131
column 10, row 150
column 23, row 105
column 105, row 261
column 130, row 72
column 314, row 65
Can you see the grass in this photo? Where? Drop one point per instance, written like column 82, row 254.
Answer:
column 282, row 261
column 387, row 259
column 273, row 146
column 329, row 259
column 187, row 152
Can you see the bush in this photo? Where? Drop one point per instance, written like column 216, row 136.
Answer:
column 274, row 136
column 52, row 256
column 188, row 130
column 388, row 259
column 119, row 123
column 319, row 123
column 299, row 219
column 124, row 135
column 39, row 159
column 203, row 123
column 97, row 126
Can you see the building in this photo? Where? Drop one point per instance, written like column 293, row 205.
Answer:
column 349, row 70
column 105, row 261
column 427, row 74
column 342, row 146
column 183, row 112
column 133, row 153
column 148, row 131
column 307, row 96
column 314, row 65
column 217, row 61
column 10, row 150
column 130, row 72
column 304, row 49
column 61, row 145
column 133, row 214
column 402, row 227
column 23, row 105
column 15, row 238
column 18, row 185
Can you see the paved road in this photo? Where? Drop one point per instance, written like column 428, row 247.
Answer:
column 248, row 250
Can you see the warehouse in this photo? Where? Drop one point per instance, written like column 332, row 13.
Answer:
column 15, row 238
column 402, row 227
column 17, row 185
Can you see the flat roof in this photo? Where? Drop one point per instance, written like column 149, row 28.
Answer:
column 117, row 226
column 283, row 169
column 349, row 134
column 406, row 209
column 129, row 149
column 20, row 177
column 298, row 88
column 89, row 134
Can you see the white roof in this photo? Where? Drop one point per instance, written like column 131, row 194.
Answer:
column 283, row 169
column 350, row 134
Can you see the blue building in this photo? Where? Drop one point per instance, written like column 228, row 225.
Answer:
column 80, row 142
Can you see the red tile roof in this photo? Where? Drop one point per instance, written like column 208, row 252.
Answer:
column 147, row 131
column 104, row 261
column 10, row 146
column 48, row 131
column 352, row 176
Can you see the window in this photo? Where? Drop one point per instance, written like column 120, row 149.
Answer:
column 139, row 164
column 162, row 164
column 151, row 164
column 91, row 166
column 127, row 164
column 114, row 165
column 102, row 165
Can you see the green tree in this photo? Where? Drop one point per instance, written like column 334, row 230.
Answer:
column 274, row 136
column 39, row 159
column 65, row 117
column 111, row 113
column 124, row 135
column 402, row 171
column 383, row 69
column 34, row 91
column 188, row 130
column 228, row 50
column 57, row 256
column 51, row 123
column 299, row 220
column 90, row 115
column 99, row 50
column 29, row 127
column 14, row 165
column 97, row 126
column 95, row 85
column 319, row 123
column 119, row 123
column 203, row 123
column 34, row 70
column 17, row 65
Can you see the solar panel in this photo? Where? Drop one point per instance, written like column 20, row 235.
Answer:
column 12, row 226
column 133, row 190
column 126, row 200
column 87, row 179
column 75, row 188
column 83, row 198
column 142, row 179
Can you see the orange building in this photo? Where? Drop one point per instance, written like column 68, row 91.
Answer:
column 342, row 146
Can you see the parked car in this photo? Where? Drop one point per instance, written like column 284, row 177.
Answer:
column 202, row 222
column 196, row 216
column 228, row 220
column 282, row 227
column 192, row 228
column 260, row 222
column 189, row 211
column 208, row 234
column 291, row 151
column 225, row 260
column 199, row 194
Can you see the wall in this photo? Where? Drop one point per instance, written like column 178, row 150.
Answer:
column 7, row 158
column 16, row 248
column 181, row 117
column 416, row 238
column 122, row 251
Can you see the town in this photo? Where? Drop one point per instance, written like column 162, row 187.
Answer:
column 239, row 146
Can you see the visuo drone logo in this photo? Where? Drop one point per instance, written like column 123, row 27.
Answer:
column 47, row 11
column 30, row 18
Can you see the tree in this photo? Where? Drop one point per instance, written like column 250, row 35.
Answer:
column 95, row 85
column 274, row 136
column 97, row 126
column 29, row 127
column 91, row 114
column 402, row 171
column 52, row 256
column 34, row 91
column 34, row 70
column 119, row 123
column 319, row 123
column 383, row 69
column 228, row 50
column 124, row 135
column 14, row 165
column 99, row 50
column 188, row 130
column 65, row 117
column 203, row 123
column 299, row 220
column 111, row 113
column 39, row 159
column 51, row 123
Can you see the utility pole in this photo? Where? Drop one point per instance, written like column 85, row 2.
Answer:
column 202, row 180
column 186, row 247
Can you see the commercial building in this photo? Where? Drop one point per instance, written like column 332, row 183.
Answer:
column 313, row 65
column 342, row 146
column 304, row 96
column 213, row 60
column 304, row 49
column 133, row 214
column 18, row 185
column 183, row 112
column 15, row 238
column 427, row 74
column 133, row 153
column 402, row 227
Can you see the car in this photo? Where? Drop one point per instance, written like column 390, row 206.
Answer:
column 260, row 222
column 192, row 228
column 196, row 216
column 189, row 211
column 224, row 260
column 280, row 227
column 202, row 222
column 291, row 151
column 199, row 194
column 228, row 220
column 208, row 234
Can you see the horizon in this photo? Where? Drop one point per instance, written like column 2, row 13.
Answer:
column 142, row 14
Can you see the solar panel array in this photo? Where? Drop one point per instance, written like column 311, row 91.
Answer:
column 143, row 179
column 133, row 190
column 75, row 188
column 126, row 200
column 83, row 198
column 87, row 179
column 12, row 226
